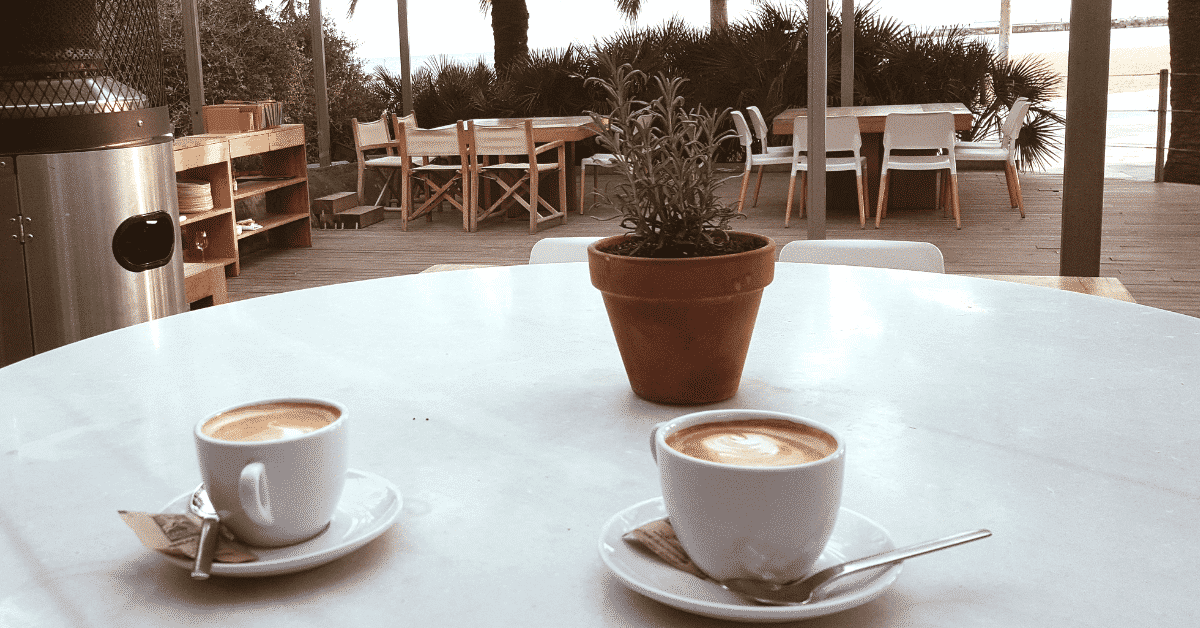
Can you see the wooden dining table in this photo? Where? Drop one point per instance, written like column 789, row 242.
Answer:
column 909, row 189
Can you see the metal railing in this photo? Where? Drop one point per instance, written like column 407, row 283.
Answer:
column 1163, row 110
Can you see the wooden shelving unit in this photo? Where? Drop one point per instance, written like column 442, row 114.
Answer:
column 210, row 157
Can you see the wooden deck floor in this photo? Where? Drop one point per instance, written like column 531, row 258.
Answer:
column 1151, row 239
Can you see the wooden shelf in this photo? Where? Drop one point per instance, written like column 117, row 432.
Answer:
column 272, row 222
column 254, row 188
column 191, row 269
column 209, row 158
column 199, row 216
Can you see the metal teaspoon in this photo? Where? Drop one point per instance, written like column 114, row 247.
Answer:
column 202, row 507
column 808, row 589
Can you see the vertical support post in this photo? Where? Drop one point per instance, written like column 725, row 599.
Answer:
column 1005, row 29
column 1083, row 156
column 1160, row 146
column 847, row 67
column 322, row 96
column 195, row 72
column 818, row 81
column 406, row 103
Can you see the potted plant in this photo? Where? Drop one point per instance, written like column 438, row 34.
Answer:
column 681, row 289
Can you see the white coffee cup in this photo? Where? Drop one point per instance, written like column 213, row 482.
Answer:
column 274, row 469
column 741, row 520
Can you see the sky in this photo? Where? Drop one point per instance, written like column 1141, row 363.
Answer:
column 457, row 27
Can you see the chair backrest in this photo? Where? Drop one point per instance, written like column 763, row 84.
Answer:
column 373, row 135
column 743, row 131
column 554, row 250
column 919, row 131
column 758, row 123
column 487, row 140
column 841, row 134
column 1011, row 127
column 416, row 143
column 900, row 255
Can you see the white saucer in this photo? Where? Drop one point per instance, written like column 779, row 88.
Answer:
column 854, row 536
column 369, row 506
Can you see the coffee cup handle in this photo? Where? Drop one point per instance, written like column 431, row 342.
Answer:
column 253, row 494
column 653, row 443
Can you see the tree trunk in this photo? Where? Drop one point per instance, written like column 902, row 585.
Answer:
column 510, row 28
column 718, row 14
column 1183, row 156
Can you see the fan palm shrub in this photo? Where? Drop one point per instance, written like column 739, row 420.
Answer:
column 760, row 60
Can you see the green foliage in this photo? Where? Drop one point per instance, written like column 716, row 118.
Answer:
column 763, row 60
column 251, row 54
column 666, row 158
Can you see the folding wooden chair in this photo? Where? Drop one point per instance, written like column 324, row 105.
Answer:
column 372, row 137
column 444, row 181
column 484, row 142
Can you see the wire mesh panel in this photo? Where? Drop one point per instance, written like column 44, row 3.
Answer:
column 74, row 57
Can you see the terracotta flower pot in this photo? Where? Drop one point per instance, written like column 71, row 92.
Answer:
column 683, row 326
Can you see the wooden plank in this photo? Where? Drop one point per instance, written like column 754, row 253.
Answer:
column 205, row 279
column 1110, row 287
column 1148, row 243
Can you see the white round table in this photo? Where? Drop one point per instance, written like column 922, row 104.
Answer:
column 495, row 400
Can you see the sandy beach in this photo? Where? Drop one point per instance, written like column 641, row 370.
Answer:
column 1129, row 69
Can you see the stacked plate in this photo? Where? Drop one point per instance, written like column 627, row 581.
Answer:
column 194, row 196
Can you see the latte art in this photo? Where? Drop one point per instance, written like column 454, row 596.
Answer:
column 270, row 421
column 753, row 443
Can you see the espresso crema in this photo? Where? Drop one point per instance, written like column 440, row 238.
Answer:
column 753, row 442
column 270, row 421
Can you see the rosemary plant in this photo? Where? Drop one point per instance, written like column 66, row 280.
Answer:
column 666, row 159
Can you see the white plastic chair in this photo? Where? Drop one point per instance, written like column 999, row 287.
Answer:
column 920, row 131
column 753, row 158
column 556, row 250
column 597, row 161
column 841, row 135
column 897, row 254
column 759, row 125
column 1003, row 150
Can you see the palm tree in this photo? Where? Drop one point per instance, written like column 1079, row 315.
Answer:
column 718, row 11
column 510, row 24
column 1183, row 158
column 510, row 30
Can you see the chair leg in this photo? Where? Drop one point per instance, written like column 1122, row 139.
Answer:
column 360, row 181
column 563, row 208
column 787, row 217
column 473, row 206
column 745, row 184
column 405, row 198
column 954, row 200
column 1014, row 185
column 862, row 201
column 582, row 187
column 757, row 186
column 883, row 187
column 595, row 184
